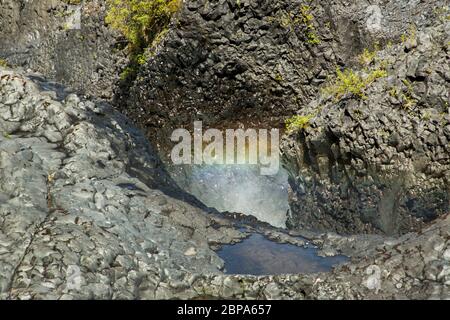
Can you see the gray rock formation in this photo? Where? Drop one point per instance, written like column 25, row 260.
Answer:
column 253, row 62
column 70, row 44
column 413, row 267
column 76, row 219
column 76, row 222
column 379, row 164
column 88, row 211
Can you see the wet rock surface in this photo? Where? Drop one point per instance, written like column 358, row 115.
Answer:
column 258, row 255
column 413, row 267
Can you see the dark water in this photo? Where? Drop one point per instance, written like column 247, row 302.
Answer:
column 260, row 256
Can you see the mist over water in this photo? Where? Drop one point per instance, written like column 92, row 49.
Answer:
column 237, row 188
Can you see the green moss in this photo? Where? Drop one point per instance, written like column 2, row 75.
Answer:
column 279, row 77
column 128, row 73
column 298, row 123
column 312, row 38
column 3, row 63
column 141, row 59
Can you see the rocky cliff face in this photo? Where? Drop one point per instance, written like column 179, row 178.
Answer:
column 379, row 163
column 82, row 216
column 87, row 209
column 70, row 44
column 81, row 208
column 253, row 63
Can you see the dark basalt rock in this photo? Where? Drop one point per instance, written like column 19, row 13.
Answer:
column 375, row 165
column 88, row 211
column 49, row 37
column 247, row 63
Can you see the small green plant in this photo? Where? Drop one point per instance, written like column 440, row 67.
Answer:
column 408, row 85
column 393, row 92
column 367, row 57
column 140, row 21
column 350, row 82
column 403, row 38
column 405, row 95
column 375, row 75
column 298, row 123
column 3, row 63
column 308, row 20
column 426, row 116
column 408, row 102
column 410, row 35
